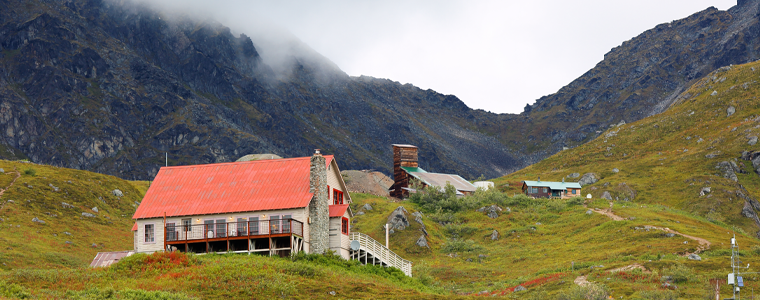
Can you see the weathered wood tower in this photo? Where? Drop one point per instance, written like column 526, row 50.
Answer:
column 403, row 156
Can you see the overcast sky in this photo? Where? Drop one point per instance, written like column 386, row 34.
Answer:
column 493, row 55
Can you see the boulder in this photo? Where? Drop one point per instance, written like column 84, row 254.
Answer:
column 606, row 195
column 615, row 170
column 38, row 220
column 730, row 111
column 704, row 191
column 89, row 215
column 66, row 233
column 398, row 219
column 520, row 288
column 117, row 193
column 574, row 175
column 492, row 211
column 589, row 212
column 66, row 205
column 727, row 170
column 670, row 235
column 422, row 242
column 694, row 256
column 360, row 213
column 588, row 178
column 752, row 140
column 713, row 154
column 95, row 209
column 714, row 93
column 494, row 235
column 55, row 188
column 367, row 206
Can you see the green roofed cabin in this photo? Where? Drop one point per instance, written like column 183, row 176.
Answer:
column 551, row 189
column 406, row 167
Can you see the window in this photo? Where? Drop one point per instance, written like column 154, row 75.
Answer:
column 171, row 234
column 242, row 226
column 186, row 224
column 545, row 191
column 337, row 197
column 149, row 233
column 254, row 229
column 328, row 193
column 533, row 190
column 573, row 191
column 221, row 228
column 344, row 226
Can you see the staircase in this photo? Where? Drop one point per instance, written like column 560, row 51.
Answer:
column 372, row 252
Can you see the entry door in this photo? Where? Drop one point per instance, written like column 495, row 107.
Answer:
column 274, row 224
column 254, row 223
column 285, row 224
column 221, row 228
column 208, row 229
column 242, row 226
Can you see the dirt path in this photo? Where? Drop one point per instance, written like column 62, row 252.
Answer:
column 703, row 243
column 2, row 191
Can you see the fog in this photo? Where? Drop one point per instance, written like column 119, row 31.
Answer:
column 493, row 55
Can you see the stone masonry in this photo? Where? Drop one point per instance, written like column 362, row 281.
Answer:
column 318, row 208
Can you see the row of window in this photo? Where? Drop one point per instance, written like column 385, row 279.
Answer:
column 534, row 190
column 337, row 196
column 217, row 228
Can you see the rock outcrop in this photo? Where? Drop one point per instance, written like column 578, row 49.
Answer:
column 588, row 178
column 398, row 219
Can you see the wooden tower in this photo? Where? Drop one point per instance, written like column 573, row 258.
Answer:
column 403, row 156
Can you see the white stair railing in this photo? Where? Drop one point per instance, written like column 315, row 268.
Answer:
column 379, row 251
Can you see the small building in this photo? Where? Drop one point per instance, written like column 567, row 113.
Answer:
column 485, row 185
column 406, row 167
column 551, row 189
column 274, row 207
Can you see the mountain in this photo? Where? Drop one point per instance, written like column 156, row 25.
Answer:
column 640, row 78
column 699, row 156
column 111, row 86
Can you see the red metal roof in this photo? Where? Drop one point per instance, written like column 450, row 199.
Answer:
column 228, row 188
column 338, row 210
column 134, row 227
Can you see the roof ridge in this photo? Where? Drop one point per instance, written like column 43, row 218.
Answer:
column 243, row 162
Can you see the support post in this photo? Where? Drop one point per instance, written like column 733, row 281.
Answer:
column 387, row 228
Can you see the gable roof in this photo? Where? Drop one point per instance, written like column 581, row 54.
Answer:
column 338, row 210
column 440, row 180
column 228, row 188
column 553, row 184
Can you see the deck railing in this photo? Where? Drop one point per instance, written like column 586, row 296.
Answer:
column 371, row 246
column 252, row 229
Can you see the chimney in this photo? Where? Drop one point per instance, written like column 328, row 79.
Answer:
column 403, row 156
column 563, row 179
column 319, row 216
column 539, row 178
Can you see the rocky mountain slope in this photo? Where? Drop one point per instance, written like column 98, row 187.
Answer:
column 110, row 86
column 700, row 156
column 639, row 78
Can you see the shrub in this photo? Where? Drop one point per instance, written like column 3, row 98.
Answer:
column 590, row 291
column 659, row 295
column 575, row 201
column 156, row 261
column 458, row 231
column 30, row 172
column 110, row 293
column 555, row 205
column 680, row 273
column 457, row 245
column 12, row 290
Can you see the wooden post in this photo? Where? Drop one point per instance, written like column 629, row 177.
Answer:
column 164, row 231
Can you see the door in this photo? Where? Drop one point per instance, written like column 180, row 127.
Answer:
column 253, row 222
column 171, row 233
column 242, row 226
column 221, row 228
column 208, row 228
column 274, row 224
column 285, row 224
column 186, row 228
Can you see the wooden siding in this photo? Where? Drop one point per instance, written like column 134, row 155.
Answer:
column 339, row 242
column 299, row 214
column 402, row 157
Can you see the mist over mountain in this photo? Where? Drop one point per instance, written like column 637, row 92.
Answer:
column 111, row 86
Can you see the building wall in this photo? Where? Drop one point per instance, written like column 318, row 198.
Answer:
column 299, row 214
column 339, row 242
column 335, row 181
column 527, row 190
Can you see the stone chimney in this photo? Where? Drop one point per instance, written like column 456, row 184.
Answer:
column 403, row 156
column 319, row 215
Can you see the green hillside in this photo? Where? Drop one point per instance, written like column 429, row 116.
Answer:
column 669, row 158
column 59, row 197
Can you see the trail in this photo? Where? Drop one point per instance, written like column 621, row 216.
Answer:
column 2, row 191
column 703, row 243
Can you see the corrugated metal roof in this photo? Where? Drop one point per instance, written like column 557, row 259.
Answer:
column 134, row 227
column 553, row 185
column 413, row 169
column 228, row 188
column 404, row 145
column 440, row 180
column 105, row 259
column 338, row 210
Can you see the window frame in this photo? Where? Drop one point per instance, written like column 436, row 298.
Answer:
column 145, row 233
column 344, row 225
column 337, row 197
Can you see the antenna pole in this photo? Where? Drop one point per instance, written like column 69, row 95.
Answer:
column 167, row 158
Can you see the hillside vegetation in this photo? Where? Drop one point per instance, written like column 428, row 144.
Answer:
column 668, row 159
column 72, row 232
